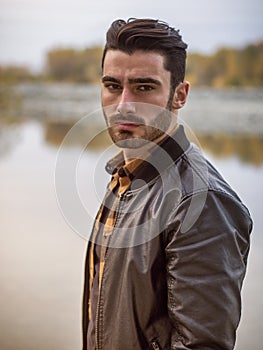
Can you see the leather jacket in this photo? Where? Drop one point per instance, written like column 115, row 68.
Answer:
column 176, row 258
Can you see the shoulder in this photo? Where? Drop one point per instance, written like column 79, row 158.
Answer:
column 202, row 191
column 197, row 175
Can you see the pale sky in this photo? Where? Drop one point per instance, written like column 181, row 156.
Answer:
column 29, row 28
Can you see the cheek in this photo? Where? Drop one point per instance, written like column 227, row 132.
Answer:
column 103, row 99
column 107, row 98
column 163, row 98
column 158, row 100
column 109, row 109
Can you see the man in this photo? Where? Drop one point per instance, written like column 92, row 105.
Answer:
column 168, row 251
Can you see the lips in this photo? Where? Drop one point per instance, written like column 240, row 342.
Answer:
column 124, row 125
column 129, row 121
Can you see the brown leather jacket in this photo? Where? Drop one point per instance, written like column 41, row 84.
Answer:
column 176, row 259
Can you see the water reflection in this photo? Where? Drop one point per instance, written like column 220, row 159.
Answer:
column 9, row 138
column 88, row 135
column 247, row 148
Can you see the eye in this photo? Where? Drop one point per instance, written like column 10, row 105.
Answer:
column 145, row 87
column 112, row 86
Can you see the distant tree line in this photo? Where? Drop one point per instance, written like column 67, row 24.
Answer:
column 74, row 65
column 226, row 67
column 11, row 74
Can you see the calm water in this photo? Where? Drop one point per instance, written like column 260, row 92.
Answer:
column 42, row 251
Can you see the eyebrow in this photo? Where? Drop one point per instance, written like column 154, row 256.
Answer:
column 111, row 79
column 145, row 80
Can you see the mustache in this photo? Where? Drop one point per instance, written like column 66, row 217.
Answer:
column 131, row 118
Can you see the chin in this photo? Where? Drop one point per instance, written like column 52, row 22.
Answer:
column 130, row 143
column 126, row 140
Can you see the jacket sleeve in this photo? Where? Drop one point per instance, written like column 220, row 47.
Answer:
column 206, row 264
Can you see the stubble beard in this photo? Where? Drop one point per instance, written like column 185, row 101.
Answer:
column 131, row 140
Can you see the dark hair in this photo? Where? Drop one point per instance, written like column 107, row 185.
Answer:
column 149, row 35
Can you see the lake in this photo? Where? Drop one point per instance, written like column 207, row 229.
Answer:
column 43, row 241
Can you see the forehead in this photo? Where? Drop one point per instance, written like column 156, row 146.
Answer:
column 139, row 63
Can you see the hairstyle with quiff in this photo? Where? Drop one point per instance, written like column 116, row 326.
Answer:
column 149, row 35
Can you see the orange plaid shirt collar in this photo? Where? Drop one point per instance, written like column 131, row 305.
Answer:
column 122, row 176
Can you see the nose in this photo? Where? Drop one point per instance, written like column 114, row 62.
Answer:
column 126, row 103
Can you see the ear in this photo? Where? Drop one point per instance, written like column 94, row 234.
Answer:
column 180, row 95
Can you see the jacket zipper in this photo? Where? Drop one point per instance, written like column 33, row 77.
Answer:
column 96, row 324
column 97, row 321
column 155, row 345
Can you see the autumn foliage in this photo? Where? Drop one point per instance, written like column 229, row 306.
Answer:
column 74, row 65
column 226, row 67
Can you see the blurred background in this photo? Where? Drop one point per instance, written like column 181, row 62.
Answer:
column 50, row 54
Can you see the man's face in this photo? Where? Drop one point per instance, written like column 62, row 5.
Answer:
column 135, row 95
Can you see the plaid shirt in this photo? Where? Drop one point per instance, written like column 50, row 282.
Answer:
column 121, row 181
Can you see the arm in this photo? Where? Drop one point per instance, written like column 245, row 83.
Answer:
column 205, row 270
